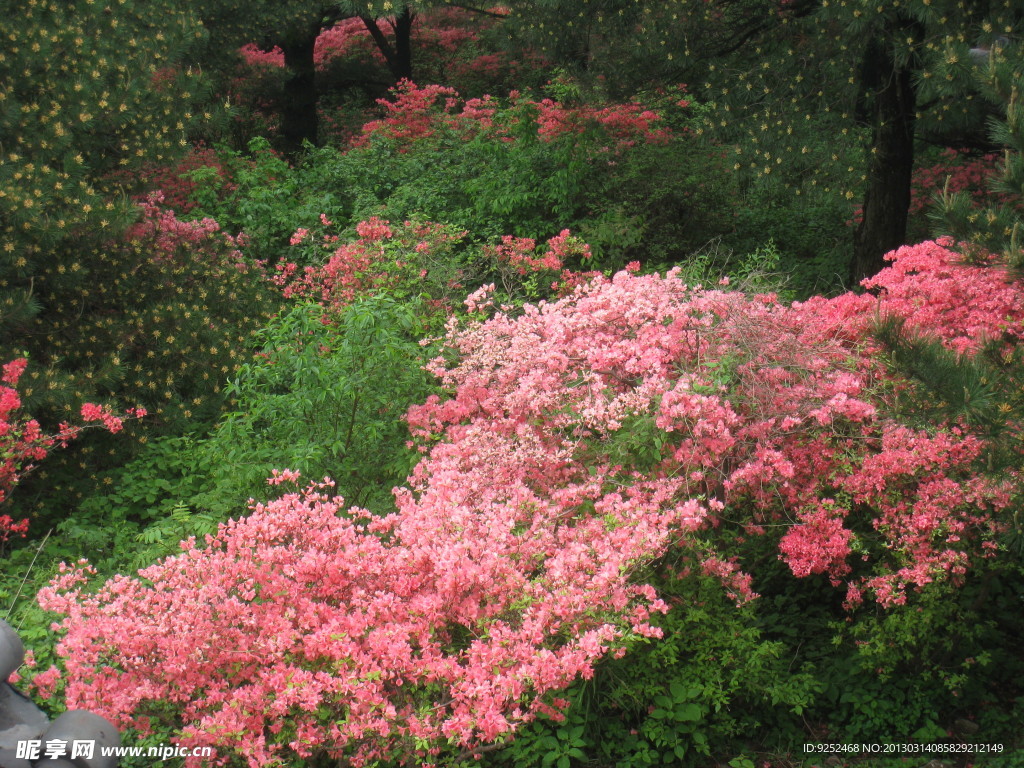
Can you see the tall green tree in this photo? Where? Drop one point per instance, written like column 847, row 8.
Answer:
column 88, row 92
column 91, row 93
column 793, row 81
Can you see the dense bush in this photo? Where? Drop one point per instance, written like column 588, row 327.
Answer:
column 636, row 432
column 325, row 387
column 507, row 505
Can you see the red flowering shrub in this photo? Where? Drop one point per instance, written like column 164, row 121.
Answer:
column 961, row 171
column 177, row 186
column 446, row 47
column 576, row 442
column 347, row 37
column 23, row 442
column 956, row 171
column 417, row 113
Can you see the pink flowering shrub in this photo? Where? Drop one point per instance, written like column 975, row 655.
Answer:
column 930, row 287
column 179, row 242
column 410, row 259
column 313, row 631
column 726, row 381
column 524, row 270
column 576, row 444
column 446, row 48
column 956, row 171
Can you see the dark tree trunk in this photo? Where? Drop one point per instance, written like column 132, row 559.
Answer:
column 399, row 55
column 887, row 197
column 298, row 104
column 403, row 44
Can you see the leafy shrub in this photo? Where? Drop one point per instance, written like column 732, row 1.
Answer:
column 325, row 397
column 415, row 262
column 709, row 682
column 264, row 197
column 493, row 167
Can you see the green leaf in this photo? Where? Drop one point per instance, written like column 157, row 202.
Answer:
column 689, row 712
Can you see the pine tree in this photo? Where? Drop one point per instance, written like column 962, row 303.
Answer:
column 999, row 228
column 88, row 92
column 91, row 92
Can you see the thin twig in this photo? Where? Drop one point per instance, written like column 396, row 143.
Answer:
column 27, row 574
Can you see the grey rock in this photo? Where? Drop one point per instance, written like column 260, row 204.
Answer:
column 12, row 651
column 20, row 719
column 78, row 724
column 9, row 759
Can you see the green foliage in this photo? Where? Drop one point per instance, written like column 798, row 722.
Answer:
column 145, row 506
column 327, row 398
column 1000, row 227
column 265, row 197
column 911, row 671
column 526, row 187
column 712, row 682
column 650, row 202
column 956, row 387
column 547, row 742
column 658, row 204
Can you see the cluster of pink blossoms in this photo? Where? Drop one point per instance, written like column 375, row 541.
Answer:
column 383, row 256
column 509, row 568
column 930, row 287
column 178, row 242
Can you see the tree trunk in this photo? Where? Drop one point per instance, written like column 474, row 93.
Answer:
column 883, row 227
column 403, row 44
column 399, row 55
column 298, row 103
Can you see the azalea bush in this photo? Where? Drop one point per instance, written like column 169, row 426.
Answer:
column 450, row 45
column 635, row 431
column 631, row 179
column 259, row 194
column 415, row 261
column 521, row 165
